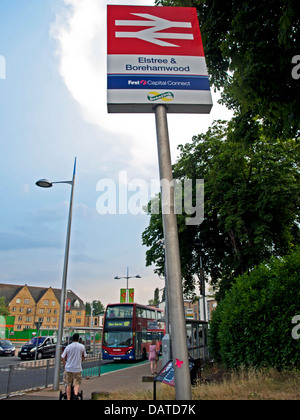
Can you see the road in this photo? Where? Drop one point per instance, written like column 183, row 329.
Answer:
column 17, row 376
column 9, row 360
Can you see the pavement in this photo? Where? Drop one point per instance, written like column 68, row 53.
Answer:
column 129, row 379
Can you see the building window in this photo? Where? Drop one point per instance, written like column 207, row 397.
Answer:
column 41, row 310
column 14, row 309
column 18, row 300
column 21, row 309
column 78, row 320
column 46, row 302
column 26, row 301
column 53, row 303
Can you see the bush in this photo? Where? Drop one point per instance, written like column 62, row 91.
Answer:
column 252, row 326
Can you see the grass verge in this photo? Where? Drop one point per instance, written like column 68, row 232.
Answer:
column 218, row 384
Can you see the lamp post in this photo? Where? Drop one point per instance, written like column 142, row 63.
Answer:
column 44, row 183
column 127, row 278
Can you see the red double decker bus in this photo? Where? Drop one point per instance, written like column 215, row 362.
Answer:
column 129, row 329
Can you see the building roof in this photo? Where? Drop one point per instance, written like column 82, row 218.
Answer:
column 9, row 291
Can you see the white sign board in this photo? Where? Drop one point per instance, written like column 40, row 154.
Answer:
column 155, row 56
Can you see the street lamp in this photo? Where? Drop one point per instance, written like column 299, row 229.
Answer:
column 127, row 277
column 44, row 183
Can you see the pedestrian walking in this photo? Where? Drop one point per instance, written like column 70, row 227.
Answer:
column 72, row 357
column 153, row 357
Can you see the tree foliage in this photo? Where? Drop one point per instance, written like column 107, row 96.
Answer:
column 251, row 165
column 4, row 311
column 252, row 326
column 155, row 300
column 98, row 308
column 251, row 208
column 249, row 46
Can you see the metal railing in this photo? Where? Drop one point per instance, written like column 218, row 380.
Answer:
column 26, row 376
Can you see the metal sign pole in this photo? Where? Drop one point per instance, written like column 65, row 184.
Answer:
column 174, row 284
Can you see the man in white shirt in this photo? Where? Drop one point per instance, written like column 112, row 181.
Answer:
column 72, row 357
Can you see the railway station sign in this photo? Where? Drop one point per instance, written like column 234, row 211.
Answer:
column 155, row 56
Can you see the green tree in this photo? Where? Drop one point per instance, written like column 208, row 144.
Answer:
column 251, row 202
column 156, row 296
column 4, row 311
column 252, row 326
column 249, row 46
column 152, row 238
column 98, row 308
column 155, row 300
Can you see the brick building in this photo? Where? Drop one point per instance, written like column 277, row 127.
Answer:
column 29, row 304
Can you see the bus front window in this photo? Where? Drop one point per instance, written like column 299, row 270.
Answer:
column 118, row 339
column 119, row 311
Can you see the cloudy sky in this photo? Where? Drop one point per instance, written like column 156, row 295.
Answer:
column 53, row 108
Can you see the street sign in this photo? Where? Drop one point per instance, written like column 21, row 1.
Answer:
column 38, row 325
column 131, row 295
column 189, row 313
column 155, row 56
column 123, row 295
column 166, row 375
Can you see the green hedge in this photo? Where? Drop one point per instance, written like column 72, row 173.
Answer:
column 252, row 325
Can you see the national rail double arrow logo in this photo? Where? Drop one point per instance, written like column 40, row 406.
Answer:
column 152, row 34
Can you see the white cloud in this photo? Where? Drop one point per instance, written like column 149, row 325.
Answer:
column 81, row 34
column 129, row 145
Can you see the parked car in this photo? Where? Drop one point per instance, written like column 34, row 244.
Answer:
column 46, row 348
column 7, row 348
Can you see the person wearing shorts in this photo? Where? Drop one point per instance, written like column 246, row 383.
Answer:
column 72, row 357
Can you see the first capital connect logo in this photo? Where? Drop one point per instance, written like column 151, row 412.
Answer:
column 137, row 82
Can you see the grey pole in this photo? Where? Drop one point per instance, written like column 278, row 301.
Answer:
column 127, row 291
column 127, row 278
column 63, row 292
column 174, row 283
